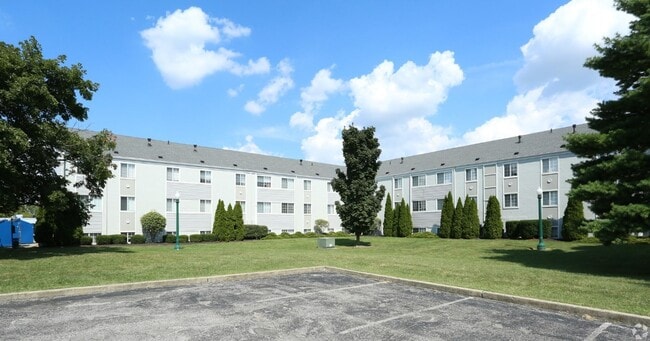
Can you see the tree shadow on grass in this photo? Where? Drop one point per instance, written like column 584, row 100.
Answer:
column 632, row 261
column 349, row 242
column 47, row 252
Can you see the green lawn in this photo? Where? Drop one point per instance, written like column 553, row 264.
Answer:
column 615, row 277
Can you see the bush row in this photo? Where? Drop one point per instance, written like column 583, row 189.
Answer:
column 527, row 229
column 285, row 235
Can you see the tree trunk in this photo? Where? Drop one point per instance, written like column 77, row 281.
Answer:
column 358, row 235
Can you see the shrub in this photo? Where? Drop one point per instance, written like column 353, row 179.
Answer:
column 572, row 220
column 118, row 239
column 311, row 235
column 298, row 235
column 527, row 229
column 153, row 224
column 446, row 216
column 457, row 221
column 338, row 234
column 320, row 225
column 423, row 235
column 103, row 240
column 169, row 238
column 271, row 235
column 137, row 239
column 285, row 235
column 209, row 237
column 255, row 231
column 196, row 238
column 86, row 240
column 183, row 238
column 493, row 226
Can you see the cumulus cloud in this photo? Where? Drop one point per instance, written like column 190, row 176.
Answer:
column 178, row 43
column 250, row 147
column 326, row 144
column 270, row 94
column 554, row 88
column 311, row 98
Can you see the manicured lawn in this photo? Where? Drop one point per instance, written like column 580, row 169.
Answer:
column 615, row 277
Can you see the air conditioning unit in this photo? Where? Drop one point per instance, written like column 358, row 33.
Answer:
column 326, row 243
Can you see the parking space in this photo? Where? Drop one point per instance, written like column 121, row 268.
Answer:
column 313, row 305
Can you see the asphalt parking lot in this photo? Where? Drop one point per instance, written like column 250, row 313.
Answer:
column 312, row 305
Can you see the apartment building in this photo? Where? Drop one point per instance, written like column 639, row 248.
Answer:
column 289, row 195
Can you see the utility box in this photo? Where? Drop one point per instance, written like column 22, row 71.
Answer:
column 326, row 243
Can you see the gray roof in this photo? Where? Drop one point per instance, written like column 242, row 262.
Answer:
column 531, row 145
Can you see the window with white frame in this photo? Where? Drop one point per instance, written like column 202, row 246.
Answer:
column 443, row 178
column 549, row 198
column 419, row 180
column 306, row 230
column 510, row 170
column 287, row 208
column 263, row 181
column 205, row 177
column 510, row 200
column 419, row 205
column 242, row 204
column 470, row 174
column 94, row 203
column 419, row 229
column 307, row 208
column 549, row 165
column 127, row 204
column 398, row 183
column 205, row 205
column 306, row 185
column 331, row 209
column 290, row 231
column 263, row 207
column 127, row 170
column 240, row 179
column 170, row 205
column 439, row 204
column 287, row 183
column 172, row 174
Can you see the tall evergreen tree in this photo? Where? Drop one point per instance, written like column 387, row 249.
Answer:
column 471, row 225
column 446, row 217
column 614, row 177
column 229, row 231
column 396, row 217
column 493, row 225
column 457, row 221
column 360, row 198
column 238, row 222
column 572, row 221
column 405, row 226
column 220, row 221
column 388, row 217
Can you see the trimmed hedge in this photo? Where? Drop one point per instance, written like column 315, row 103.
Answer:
column 271, row 235
column 170, row 238
column 527, row 229
column 137, row 239
column 196, row 238
column 103, row 240
column 86, row 240
column 209, row 237
column 423, row 235
column 118, row 239
column 255, row 231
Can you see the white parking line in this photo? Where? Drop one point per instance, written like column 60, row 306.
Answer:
column 598, row 331
column 404, row 315
column 319, row 292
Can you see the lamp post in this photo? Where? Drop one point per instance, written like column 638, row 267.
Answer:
column 177, row 199
column 540, row 245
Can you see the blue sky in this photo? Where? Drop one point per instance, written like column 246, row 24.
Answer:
column 284, row 77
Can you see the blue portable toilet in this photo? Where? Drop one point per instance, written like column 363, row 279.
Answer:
column 24, row 230
column 5, row 233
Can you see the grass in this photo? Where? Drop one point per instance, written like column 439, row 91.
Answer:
column 616, row 277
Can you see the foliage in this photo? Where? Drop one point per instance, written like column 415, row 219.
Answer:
column 196, row 238
column 614, row 176
column 208, row 237
column 446, row 217
column 405, row 223
column 38, row 99
column 493, row 225
column 238, row 222
column 285, row 235
column 360, row 199
column 298, row 234
column 423, row 235
column 572, row 221
column 255, row 231
column 338, row 234
column 86, row 240
column 219, row 227
column 137, row 239
column 397, row 213
column 457, row 221
column 103, row 239
column 321, row 226
column 388, row 217
column 527, row 229
column 118, row 239
column 471, row 223
column 153, row 225
column 171, row 238
column 271, row 235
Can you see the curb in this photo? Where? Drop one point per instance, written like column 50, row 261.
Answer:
column 585, row 312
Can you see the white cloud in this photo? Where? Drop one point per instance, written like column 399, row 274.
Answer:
column 249, row 147
column 234, row 92
column 555, row 89
column 178, row 45
column 415, row 136
column 321, row 86
column 326, row 144
column 270, row 94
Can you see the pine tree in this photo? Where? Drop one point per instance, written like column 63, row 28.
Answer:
column 396, row 216
column 614, row 176
column 238, row 217
column 493, row 225
column 406, row 222
column 388, row 217
column 457, row 221
column 230, row 224
column 219, row 225
column 446, row 217
column 573, row 218
column 472, row 224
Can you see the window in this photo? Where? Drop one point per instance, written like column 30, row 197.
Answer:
column 287, row 183
column 329, row 187
column 443, row 178
column 306, row 185
column 170, row 205
column 205, row 205
column 242, row 204
column 510, row 200
column 419, row 180
column 331, row 209
column 470, row 174
column 263, row 207
column 172, row 174
column 419, row 229
column 206, row 177
column 94, row 203
column 439, row 204
column 263, row 181
column 549, row 198
column 287, row 208
column 127, row 204
column 307, row 209
column 549, row 165
column 419, row 205
column 127, row 170
column 306, row 230
column 240, row 179
column 287, row 231
column 510, row 169
column 398, row 183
